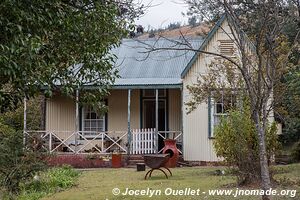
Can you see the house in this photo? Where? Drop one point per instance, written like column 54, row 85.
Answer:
column 146, row 104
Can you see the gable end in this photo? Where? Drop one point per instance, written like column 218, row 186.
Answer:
column 204, row 44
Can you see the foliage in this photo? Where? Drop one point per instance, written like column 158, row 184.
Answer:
column 296, row 152
column 53, row 180
column 16, row 164
column 192, row 21
column 173, row 26
column 238, row 126
column 289, row 107
column 14, row 118
column 60, row 45
column 263, row 50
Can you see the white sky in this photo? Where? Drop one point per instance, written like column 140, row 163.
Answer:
column 161, row 13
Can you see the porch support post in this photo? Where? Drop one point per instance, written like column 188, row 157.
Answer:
column 25, row 121
column 77, row 119
column 156, row 119
column 128, row 123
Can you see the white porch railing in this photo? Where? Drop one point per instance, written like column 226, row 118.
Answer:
column 77, row 141
column 143, row 141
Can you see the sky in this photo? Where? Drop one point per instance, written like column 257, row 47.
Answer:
column 162, row 13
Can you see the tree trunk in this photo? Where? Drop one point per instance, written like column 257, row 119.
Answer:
column 264, row 168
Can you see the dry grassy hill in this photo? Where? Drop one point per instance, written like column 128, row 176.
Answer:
column 199, row 30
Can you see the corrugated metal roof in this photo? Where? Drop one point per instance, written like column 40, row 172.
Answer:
column 138, row 66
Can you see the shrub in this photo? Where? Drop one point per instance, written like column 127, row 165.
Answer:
column 296, row 152
column 17, row 165
column 237, row 142
column 53, row 180
column 14, row 118
column 62, row 177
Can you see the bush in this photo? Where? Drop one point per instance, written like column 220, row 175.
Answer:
column 296, row 152
column 53, row 180
column 14, row 118
column 237, row 142
column 17, row 165
column 62, row 177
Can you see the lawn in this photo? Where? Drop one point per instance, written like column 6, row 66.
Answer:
column 98, row 184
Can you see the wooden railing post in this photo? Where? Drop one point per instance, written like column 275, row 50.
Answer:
column 50, row 142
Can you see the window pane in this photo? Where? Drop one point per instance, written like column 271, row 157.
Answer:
column 216, row 120
column 87, row 115
column 219, row 108
column 101, row 125
column 86, row 124
column 93, row 115
column 149, row 93
column 162, row 93
column 92, row 122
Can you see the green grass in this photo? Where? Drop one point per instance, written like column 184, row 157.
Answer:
column 51, row 181
column 98, row 184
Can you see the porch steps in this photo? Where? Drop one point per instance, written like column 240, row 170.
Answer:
column 134, row 159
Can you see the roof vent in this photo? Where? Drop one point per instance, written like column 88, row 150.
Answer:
column 226, row 47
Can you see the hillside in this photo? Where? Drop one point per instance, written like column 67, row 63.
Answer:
column 199, row 30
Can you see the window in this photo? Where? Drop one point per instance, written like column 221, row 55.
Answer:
column 151, row 93
column 219, row 108
column 92, row 122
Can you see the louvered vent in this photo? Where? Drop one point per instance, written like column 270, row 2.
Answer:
column 226, row 47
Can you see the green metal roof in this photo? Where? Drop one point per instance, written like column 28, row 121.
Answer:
column 138, row 67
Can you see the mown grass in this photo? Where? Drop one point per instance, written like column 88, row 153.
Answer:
column 98, row 184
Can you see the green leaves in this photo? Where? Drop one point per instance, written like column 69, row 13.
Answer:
column 42, row 39
column 237, row 142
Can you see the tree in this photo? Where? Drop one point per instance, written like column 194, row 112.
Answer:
column 256, row 27
column 56, row 45
column 60, row 45
column 261, row 67
column 192, row 21
column 243, row 155
column 173, row 25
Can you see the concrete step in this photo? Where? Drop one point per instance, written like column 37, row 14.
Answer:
column 134, row 162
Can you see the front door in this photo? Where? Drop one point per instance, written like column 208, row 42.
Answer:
column 149, row 117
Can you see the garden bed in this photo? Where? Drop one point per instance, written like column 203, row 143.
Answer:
column 80, row 160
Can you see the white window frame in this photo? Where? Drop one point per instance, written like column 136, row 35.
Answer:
column 214, row 114
column 89, row 133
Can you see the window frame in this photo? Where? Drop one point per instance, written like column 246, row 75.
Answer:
column 162, row 93
column 213, row 112
column 84, row 132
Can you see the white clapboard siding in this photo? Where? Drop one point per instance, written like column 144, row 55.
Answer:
column 143, row 141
